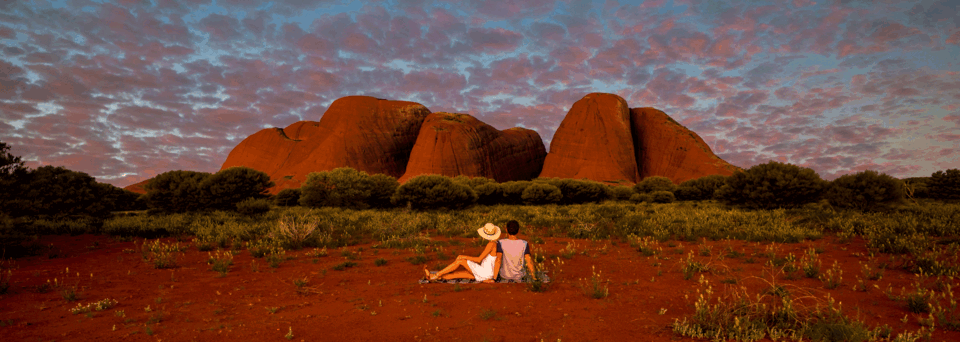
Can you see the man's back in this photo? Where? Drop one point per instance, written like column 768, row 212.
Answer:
column 513, row 251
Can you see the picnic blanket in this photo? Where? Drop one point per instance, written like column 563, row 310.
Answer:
column 546, row 279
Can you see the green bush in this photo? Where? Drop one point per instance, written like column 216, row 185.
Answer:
column 541, row 193
column 576, row 191
column 638, row 198
column 944, row 184
column 253, row 206
column 176, row 191
column 348, row 188
column 57, row 191
column 224, row 189
column 662, row 197
column 513, row 191
column 772, row 185
column 655, row 183
column 620, row 192
column 382, row 187
column 472, row 182
column 864, row 190
column 434, row 191
column 287, row 198
column 699, row 189
column 489, row 193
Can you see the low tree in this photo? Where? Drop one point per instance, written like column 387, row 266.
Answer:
column 433, row 192
column 489, row 193
column 654, row 183
column 287, row 197
column 577, row 191
column 513, row 191
column 699, row 189
column 176, row 191
column 348, row 188
column 57, row 191
column 620, row 192
column 224, row 189
column 864, row 190
column 772, row 185
column 662, row 197
column 541, row 193
column 944, row 184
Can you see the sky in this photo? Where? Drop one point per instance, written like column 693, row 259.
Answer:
column 125, row 90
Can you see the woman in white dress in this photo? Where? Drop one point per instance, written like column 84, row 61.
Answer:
column 482, row 268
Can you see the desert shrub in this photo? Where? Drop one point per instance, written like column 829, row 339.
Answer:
column 472, row 182
column 346, row 187
column 513, row 191
column 944, row 184
column 382, row 188
column 176, row 191
column 620, row 193
column 253, row 206
column 287, row 197
column 541, row 193
column 641, row 198
column 864, row 190
column 226, row 188
column 772, row 185
column 916, row 187
column 662, row 197
column 489, row 193
column 699, row 189
column 434, row 191
column 655, row 183
column 577, row 191
column 57, row 191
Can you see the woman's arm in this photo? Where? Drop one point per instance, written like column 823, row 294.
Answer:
column 491, row 246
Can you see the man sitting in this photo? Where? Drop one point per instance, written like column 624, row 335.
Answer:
column 514, row 253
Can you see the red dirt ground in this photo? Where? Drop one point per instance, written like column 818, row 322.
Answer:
column 386, row 303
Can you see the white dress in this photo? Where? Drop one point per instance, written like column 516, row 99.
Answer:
column 483, row 270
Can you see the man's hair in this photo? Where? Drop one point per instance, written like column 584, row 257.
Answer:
column 513, row 227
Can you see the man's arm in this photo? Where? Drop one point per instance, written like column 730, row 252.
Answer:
column 529, row 262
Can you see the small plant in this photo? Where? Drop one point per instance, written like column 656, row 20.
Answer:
column 344, row 265
column 380, row 262
column 220, row 262
column 870, row 272
column 569, row 251
column 289, row 334
column 317, row 252
column 273, row 309
column 488, row 314
column 6, row 274
column 96, row 306
column 276, row 256
column 203, row 244
column 833, row 277
column 69, row 294
column 296, row 229
column 690, row 266
column 301, row 284
column 596, row 287
column 705, row 250
column 161, row 255
column 537, row 281
column 810, row 264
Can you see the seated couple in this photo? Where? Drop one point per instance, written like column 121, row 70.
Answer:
column 504, row 258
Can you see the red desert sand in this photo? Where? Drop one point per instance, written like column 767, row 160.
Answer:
column 366, row 302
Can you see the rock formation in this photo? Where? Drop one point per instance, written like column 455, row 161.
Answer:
column 594, row 141
column 137, row 187
column 459, row 144
column 365, row 133
column 666, row 148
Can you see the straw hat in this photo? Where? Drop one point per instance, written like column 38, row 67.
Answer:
column 489, row 231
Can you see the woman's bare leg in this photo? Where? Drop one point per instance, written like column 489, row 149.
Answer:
column 453, row 267
column 458, row 275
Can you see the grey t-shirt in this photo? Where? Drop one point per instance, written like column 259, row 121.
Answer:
column 513, row 260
